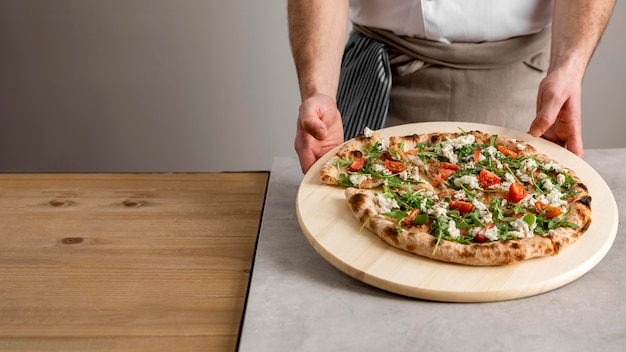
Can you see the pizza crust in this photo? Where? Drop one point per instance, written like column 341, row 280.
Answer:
column 418, row 241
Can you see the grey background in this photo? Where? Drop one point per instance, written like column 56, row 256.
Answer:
column 186, row 85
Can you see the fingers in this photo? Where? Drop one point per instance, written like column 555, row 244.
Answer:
column 546, row 117
column 313, row 115
column 313, row 125
column 319, row 129
column 575, row 144
column 306, row 161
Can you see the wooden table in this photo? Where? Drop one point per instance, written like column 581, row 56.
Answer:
column 112, row 262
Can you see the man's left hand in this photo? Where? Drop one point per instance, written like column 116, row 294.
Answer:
column 559, row 111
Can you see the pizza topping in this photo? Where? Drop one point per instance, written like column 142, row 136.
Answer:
column 395, row 166
column 453, row 231
column 477, row 155
column 528, row 165
column 507, row 152
column 550, row 211
column 491, row 190
column 415, row 217
column 551, row 166
column 440, row 209
column 357, row 164
column 517, row 192
column 487, row 178
column 485, row 233
column 386, row 204
column 449, row 145
column 471, row 181
column 397, row 153
column 359, row 179
column 462, row 206
column 522, row 229
column 410, row 174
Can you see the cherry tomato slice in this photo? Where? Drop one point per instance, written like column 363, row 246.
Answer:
column 357, row 164
column 408, row 221
column 395, row 166
column 477, row 155
column 508, row 152
column 488, row 178
column 415, row 218
column 550, row 210
column 462, row 206
column 481, row 236
column 445, row 173
column 517, row 192
column 450, row 166
column 399, row 152
column 447, row 169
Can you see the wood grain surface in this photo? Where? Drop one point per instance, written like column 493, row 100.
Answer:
column 333, row 231
column 125, row 262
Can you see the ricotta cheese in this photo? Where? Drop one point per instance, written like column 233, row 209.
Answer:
column 367, row 132
column 471, row 181
column 453, row 230
column 385, row 205
column 358, row 179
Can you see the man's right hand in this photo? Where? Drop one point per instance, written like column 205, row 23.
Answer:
column 319, row 129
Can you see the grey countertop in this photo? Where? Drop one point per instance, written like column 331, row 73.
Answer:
column 299, row 302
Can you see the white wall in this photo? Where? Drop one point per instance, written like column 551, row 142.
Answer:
column 185, row 85
column 604, row 87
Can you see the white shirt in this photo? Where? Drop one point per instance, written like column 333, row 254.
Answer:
column 450, row 21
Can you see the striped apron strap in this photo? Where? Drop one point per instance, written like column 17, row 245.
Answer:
column 364, row 85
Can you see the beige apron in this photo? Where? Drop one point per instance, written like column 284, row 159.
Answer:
column 491, row 82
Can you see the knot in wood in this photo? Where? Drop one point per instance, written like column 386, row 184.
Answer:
column 59, row 203
column 129, row 203
column 72, row 240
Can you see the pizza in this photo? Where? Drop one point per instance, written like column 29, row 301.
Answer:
column 470, row 198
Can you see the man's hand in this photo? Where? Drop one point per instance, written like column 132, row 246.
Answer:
column 577, row 26
column 319, row 129
column 559, row 111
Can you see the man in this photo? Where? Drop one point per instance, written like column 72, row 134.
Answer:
column 317, row 31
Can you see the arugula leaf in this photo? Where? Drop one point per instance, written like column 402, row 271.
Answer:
column 492, row 141
column 438, row 230
column 396, row 214
column 374, row 150
column 344, row 181
column 395, row 181
column 342, row 163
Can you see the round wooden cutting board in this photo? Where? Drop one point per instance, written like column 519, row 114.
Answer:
column 334, row 232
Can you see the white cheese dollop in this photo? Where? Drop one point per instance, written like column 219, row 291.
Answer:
column 385, row 205
column 440, row 209
column 522, row 230
column 410, row 174
column 367, row 132
column 471, row 181
column 453, row 230
column 382, row 169
column 359, row 179
column 528, row 165
column 448, row 146
column 492, row 233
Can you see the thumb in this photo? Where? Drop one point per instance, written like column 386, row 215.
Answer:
column 315, row 127
column 546, row 116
